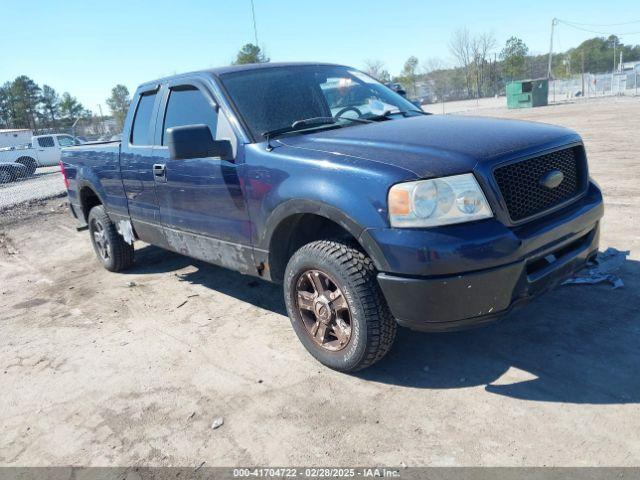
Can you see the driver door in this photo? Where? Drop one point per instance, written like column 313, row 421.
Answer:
column 202, row 206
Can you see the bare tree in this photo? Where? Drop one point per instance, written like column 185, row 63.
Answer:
column 436, row 75
column 481, row 47
column 432, row 64
column 377, row 69
column 473, row 55
column 461, row 48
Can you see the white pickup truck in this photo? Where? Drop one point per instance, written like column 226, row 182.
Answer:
column 43, row 151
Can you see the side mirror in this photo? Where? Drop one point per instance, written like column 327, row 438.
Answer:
column 196, row 141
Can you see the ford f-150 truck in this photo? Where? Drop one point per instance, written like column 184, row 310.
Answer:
column 369, row 211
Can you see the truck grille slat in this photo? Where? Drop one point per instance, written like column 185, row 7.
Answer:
column 521, row 187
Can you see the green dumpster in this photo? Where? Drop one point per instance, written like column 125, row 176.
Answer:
column 527, row 93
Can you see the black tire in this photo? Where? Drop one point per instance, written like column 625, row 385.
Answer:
column 113, row 252
column 372, row 329
column 30, row 163
column 6, row 175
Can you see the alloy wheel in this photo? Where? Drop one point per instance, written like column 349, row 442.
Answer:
column 324, row 310
column 100, row 239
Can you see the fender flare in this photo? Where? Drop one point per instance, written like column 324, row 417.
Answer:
column 293, row 207
column 303, row 206
column 82, row 184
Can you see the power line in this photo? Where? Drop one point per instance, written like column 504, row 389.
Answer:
column 599, row 32
column 602, row 24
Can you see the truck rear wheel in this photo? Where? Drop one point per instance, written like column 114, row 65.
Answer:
column 336, row 306
column 30, row 163
column 6, row 175
column 113, row 252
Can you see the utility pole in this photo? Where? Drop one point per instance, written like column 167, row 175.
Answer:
column 613, row 72
column 620, row 62
column 582, row 73
column 102, row 129
column 495, row 74
column 554, row 22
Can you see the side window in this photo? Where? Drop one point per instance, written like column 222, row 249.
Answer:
column 188, row 106
column 65, row 141
column 142, row 120
column 46, row 142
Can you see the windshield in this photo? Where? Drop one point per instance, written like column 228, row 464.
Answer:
column 272, row 98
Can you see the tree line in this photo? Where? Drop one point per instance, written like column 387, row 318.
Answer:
column 482, row 69
column 24, row 104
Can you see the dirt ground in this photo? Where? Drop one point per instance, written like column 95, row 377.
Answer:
column 116, row 369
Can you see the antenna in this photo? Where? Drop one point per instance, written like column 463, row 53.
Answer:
column 255, row 28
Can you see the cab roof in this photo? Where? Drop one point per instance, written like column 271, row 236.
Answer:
column 239, row 68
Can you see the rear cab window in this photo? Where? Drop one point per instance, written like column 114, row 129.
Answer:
column 141, row 125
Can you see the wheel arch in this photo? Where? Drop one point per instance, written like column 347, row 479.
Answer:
column 88, row 197
column 25, row 158
column 297, row 222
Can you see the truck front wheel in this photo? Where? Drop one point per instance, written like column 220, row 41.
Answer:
column 336, row 306
column 30, row 163
column 113, row 252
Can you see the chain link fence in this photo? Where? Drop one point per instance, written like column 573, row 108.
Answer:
column 591, row 85
column 31, row 172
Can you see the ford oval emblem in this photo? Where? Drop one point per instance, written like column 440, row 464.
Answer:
column 552, row 179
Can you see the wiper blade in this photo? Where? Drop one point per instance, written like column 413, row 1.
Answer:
column 312, row 122
column 420, row 111
column 306, row 123
column 296, row 126
column 388, row 113
column 316, row 121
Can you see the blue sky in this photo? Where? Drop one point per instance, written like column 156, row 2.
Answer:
column 86, row 47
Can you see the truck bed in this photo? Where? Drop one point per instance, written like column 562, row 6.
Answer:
column 103, row 174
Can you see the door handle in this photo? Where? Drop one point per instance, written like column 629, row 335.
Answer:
column 160, row 171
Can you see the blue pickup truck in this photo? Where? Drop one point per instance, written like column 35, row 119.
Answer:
column 369, row 211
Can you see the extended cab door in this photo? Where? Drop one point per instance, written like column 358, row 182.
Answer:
column 136, row 165
column 202, row 206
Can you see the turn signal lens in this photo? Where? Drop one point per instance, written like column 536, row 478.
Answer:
column 438, row 201
column 399, row 203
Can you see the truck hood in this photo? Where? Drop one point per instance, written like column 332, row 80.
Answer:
column 437, row 145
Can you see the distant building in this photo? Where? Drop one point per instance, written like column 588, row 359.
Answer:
column 12, row 137
column 628, row 67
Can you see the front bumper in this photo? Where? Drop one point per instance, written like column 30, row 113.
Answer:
column 535, row 258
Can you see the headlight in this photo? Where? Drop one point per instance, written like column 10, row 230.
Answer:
column 439, row 201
